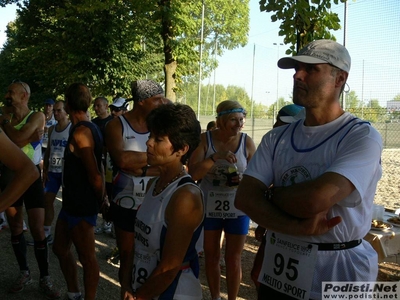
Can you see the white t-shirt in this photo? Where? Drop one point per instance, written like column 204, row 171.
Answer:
column 347, row 146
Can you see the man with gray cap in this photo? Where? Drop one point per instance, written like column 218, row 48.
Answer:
column 324, row 170
column 126, row 138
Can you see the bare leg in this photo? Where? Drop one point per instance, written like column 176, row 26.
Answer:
column 49, row 208
column 233, row 251
column 36, row 221
column 125, row 243
column 62, row 249
column 15, row 219
column 83, row 238
column 212, row 252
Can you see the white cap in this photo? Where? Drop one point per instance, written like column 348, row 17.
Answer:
column 320, row 52
column 119, row 103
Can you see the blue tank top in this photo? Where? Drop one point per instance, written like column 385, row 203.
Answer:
column 79, row 198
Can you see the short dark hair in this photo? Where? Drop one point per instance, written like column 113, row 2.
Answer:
column 179, row 123
column 104, row 99
column 78, row 97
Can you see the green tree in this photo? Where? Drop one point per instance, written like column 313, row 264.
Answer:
column 225, row 24
column 98, row 43
column 352, row 101
column 108, row 44
column 302, row 21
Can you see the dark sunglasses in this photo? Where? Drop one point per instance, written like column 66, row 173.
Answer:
column 117, row 109
column 21, row 83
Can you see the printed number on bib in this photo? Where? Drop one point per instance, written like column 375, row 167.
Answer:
column 220, row 204
column 288, row 265
column 140, row 276
column 56, row 161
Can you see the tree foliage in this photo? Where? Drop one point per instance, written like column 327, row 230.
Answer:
column 107, row 44
column 302, row 21
column 209, row 102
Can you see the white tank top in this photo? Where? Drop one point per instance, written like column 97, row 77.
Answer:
column 129, row 190
column 219, row 196
column 57, row 141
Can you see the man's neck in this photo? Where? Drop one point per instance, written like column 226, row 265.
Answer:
column 19, row 113
column 62, row 124
column 103, row 116
column 78, row 116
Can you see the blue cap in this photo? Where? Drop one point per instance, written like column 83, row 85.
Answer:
column 49, row 101
column 291, row 113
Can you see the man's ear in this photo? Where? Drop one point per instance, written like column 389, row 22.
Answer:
column 341, row 78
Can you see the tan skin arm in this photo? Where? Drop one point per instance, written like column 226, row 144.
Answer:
column 25, row 172
column 199, row 166
column 250, row 198
column 183, row 215
column 32, row 131
column 307, row 199
column 82, row 146
column 130, row 162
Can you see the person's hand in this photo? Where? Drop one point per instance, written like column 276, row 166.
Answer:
column 104, row 209
column 317, row 225
column 259, row 233
column 227, row 155
column 37, row 135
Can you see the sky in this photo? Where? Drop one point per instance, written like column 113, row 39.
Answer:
column 372, row 39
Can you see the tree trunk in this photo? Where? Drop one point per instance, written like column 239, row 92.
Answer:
column 170, row 63
column 169, row 71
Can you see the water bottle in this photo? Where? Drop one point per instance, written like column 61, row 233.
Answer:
column 232, row 172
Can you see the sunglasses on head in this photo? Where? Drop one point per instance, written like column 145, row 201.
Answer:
column 21, row 83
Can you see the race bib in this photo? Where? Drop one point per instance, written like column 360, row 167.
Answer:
column 130, row 191
column 56, row 161
column 144, row 265
column 288, row 265
column 220, row 204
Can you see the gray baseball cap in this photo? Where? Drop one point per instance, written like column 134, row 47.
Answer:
column 320, row 52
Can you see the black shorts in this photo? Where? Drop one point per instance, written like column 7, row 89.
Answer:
column 123, row 218
column 34, row 195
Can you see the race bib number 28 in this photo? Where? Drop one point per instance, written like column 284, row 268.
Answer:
column 288, row 265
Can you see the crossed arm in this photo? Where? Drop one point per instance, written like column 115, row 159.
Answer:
column 300, row 209
column 130, row 162
column 25, row 172
column 32, row 131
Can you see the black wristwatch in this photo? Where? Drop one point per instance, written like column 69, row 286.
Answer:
column 5, row 121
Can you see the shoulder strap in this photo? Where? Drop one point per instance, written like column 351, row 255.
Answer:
column 186, row 179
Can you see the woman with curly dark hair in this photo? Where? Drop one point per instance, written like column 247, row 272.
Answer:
column 169, row 221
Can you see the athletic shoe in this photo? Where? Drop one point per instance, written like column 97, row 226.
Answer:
column 24, row 278
column 77, row 297
column 103, row 228
column 24, row 227
column 3, row 224
column 47, row 288
column 50, row 240
column 107, row 227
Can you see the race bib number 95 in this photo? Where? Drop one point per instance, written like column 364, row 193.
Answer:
column 288, row 265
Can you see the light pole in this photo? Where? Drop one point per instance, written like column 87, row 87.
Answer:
column 277, row 75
